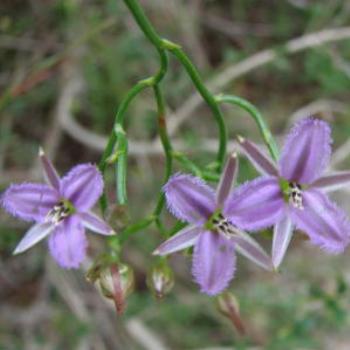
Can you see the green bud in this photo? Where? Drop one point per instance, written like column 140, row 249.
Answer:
column 115, row 281
column 228, row 306
column 160, row 279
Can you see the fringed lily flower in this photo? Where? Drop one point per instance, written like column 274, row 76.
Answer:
column 211, row 231
column 292, row 194
column 60, row 209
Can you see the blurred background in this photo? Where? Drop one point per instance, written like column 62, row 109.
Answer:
column 65, row 67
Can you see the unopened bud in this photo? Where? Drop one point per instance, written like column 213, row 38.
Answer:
column 115, row 281
column 160, row 279
column 228, row 306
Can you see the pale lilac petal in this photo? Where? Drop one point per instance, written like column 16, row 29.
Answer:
column 189, row 198
column 227, row 179
column 185, row 238
column 213, row 262
column 50, row 172
column 28, row 201
column 281, row 238
column 256, row 204
column 261, row 162
column 307, row 151
column 34, row 235
column 248, row 247
column 325, row 224
column 68, row 243
column 83, row 186
column 96, row 224
column 333, row 182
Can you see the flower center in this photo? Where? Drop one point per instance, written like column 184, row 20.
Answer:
column 223, row 225
column 295, row 195
column 60, row 211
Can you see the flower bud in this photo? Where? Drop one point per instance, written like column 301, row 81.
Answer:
column 228, row 306
column 160, row 279
column 115, row 281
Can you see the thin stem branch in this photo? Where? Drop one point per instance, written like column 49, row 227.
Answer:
column 165, row 143
column 206, row 94
column 258, row 118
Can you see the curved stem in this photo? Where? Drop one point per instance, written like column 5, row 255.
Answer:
column 165, row 143
column 140, row 225
column 205, row 93
column 119, row 120
column 258, row 118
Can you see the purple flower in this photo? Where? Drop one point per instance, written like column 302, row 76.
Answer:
column 211, row 231
column 60, row 209
column 293, row 194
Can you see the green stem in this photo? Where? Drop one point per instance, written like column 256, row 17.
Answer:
column 121, row 164
column 258, row 118
column 140, row 225
column 205, row 93
column 187, row 163
column 165, row 140
column 121, row 169
column 119, row 119
column 143, row 22
column 162, row 45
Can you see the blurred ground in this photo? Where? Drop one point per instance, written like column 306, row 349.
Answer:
column 65, row 66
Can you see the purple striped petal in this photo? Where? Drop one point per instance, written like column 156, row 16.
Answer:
column 50, row 172
column 325, row 224
column 83, row 186
column 248, row 247
column 307, row 151
column 214, row 262
column 96, row 224
column 332, row 182
column 261, row 162
column 256, row 204
column 227, row 179
column 28, row 201
column 281, row 238
column 68, row 243
column 185, row 238
column 189, row 198
column 34, row 235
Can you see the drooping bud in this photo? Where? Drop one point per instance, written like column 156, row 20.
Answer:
column 114, row 280
column 160, row 279
column 228, row 306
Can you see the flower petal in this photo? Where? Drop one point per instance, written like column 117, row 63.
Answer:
column 227, row 178
column 50, row 172
column 256, row 204
column 333, row 181
column 68, row 243
column 35, row 234
column 281, row 237
column 307, row 151
column 189, row 198
column 248, row 247
column 213, row 262
column 83, row 186
column 96, row 224
column 325, row 224
column 29, row 201
column 261, row 162
column 181, row 240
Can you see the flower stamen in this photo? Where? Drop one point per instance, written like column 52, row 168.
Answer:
column 223, row 225
column 295, row 195
column 60, row 211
